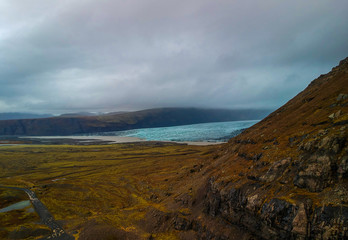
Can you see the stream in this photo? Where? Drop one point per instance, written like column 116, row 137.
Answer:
column 16, row 206
column 46, row 217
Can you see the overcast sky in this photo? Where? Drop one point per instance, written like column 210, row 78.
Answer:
column 100, row 55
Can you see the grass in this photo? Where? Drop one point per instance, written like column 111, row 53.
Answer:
column 110, row 184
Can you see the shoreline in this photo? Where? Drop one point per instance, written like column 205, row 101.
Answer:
column 116, row 139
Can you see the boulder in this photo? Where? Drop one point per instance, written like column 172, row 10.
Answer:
column 316, row 174
column 276, row 170
column 300, row 222
column 341, row 97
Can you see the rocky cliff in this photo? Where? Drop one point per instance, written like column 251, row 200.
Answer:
column 283, row 178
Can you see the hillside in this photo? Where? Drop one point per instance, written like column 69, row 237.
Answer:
column 283, row 178
column 161, row 117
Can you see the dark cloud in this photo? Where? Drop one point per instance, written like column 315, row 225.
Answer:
column 105, row 55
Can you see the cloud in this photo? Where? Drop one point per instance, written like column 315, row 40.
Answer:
column 104, row 55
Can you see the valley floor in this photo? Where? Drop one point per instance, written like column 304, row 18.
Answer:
column 109, row 139
column 97, row 190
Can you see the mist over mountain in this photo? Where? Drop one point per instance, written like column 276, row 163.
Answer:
column 79, row 114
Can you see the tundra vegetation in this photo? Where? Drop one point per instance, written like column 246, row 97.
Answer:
column 96, row 187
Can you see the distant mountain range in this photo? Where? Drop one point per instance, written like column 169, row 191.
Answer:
column 69, row 124
column 23, row 115
column 18, row 115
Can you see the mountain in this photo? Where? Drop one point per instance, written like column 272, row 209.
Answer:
column 160, row 117
column 286, row 177
column 17, row 115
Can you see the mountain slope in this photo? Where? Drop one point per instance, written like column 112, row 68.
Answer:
column 283, row 178
column 161, row 117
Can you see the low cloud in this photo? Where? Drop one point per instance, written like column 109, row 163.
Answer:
column 104, row 55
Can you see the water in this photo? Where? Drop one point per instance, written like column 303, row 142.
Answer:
column 204, row 132
column 16, row 206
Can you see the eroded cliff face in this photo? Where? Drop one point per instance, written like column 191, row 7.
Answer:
column 283, row 178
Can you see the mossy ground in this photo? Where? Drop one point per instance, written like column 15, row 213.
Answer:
column 113, row 185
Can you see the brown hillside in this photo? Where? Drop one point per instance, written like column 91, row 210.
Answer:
column 317, row 115
column 283, row 178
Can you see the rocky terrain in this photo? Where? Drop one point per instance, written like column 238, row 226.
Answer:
column 161, row 117
column 283, row 178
